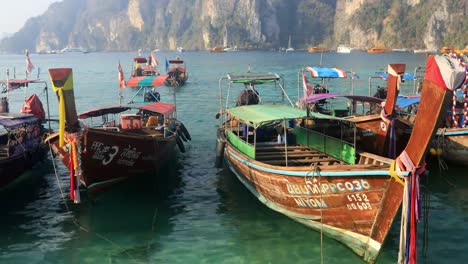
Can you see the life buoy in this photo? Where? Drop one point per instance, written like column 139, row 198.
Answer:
column 180, row 144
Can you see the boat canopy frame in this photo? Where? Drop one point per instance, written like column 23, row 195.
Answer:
column 249, row 79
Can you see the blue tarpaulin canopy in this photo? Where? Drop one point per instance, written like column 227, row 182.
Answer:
column 320, row 72
column 406, row 76
column 10, row 121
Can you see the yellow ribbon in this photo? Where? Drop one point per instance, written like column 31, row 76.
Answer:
column 61, row 118
column 393, row 173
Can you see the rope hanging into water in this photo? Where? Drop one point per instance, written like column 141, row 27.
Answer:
column 74, row 220
column 411, row 209
column 315, row 171
column 454, row 110
column 463, row 63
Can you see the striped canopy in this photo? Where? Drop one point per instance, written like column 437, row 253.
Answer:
column 317, row 97
column 319, row 72
column 139, row 81
column 406, row 76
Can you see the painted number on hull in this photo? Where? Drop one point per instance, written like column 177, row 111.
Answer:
column 358, row 202
column 114, row 150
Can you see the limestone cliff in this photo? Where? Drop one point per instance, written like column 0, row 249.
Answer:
column 121, row 25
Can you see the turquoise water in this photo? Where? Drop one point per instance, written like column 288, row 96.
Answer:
column 195, row 213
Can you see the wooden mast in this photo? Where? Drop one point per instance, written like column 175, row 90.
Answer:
column 393, row 88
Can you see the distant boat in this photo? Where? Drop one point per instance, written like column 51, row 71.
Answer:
column 217, row 49
column 429, row 51
column 180, row 49
column 462, row 51
column 343, row 49
column 290, row 48
column 378, row 50
column 73, row 50
column 177, row 73
column 156, row 50
column 229, row 48
column 400, row 50
column 417, row 51
column 446, row 50
column 317, row 49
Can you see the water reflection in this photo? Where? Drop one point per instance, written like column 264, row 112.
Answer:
column 263, row 235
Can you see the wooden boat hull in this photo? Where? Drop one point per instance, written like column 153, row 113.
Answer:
column 177, row 76
column 354, row 204
column 12, row 168
column 110, row 156
column 454, row 144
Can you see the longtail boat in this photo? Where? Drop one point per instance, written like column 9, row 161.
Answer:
column 378, row 50
column 377, row 129
column 22, row 131
column 176, row 72
column 128, row 140
column 323, row 180
column 451, row 140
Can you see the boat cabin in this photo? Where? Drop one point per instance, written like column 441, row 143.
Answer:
column 155, row 118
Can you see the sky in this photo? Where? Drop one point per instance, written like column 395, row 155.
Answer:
column 16, row 12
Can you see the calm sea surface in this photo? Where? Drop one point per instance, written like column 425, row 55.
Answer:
column 196, row 213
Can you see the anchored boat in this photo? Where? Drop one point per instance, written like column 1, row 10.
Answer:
column 323, row 180
column 126, row 141
column 22, row 131
column 176, row 73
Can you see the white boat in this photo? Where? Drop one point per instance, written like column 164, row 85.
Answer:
column 289, row 45
column 73, row 50
column 180, row 49
column 343, row 49
column 420, row 51
column 400, row 50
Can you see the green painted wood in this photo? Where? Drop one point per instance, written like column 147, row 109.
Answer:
column 328, row 145
column 240, row 144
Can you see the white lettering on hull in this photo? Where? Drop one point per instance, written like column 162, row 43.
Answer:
column 310, row 202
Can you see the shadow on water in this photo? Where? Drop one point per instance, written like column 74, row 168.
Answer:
column 442, row 229
column 262, row 235
column 25, row 189
column 119, row 224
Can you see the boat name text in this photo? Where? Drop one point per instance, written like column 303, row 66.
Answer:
column 103, row 152
column 315, row 188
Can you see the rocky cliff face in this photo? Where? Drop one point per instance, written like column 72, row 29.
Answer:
column 122, row 25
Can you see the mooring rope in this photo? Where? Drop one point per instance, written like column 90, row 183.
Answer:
column 74, row 220
column 315, row 171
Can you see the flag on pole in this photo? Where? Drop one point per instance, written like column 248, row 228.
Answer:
column 307, row 87
column 154, row 61
column 167, row 64
column 29, row 65
column 121, row 77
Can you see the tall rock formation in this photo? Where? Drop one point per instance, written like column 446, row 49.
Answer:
column 123, row 25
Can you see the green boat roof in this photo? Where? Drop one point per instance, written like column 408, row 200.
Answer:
column 253, row 77
column 256, row 115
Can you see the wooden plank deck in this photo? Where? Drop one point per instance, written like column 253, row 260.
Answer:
column 298, row 155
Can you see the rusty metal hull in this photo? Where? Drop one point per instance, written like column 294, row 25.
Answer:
column 354, row 204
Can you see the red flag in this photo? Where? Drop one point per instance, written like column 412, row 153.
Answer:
column 29, row 65
column 121, row 77
column 154, row 61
